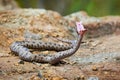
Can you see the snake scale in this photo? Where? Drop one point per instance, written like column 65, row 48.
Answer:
column 21, row 48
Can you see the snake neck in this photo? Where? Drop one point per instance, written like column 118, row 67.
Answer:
column 77, row 45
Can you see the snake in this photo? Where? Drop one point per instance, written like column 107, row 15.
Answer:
column 39, row 45
column 22, row 49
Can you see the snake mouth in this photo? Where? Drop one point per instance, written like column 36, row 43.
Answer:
column 80, row 28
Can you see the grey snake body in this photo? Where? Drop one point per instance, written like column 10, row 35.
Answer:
column 21, row 48
column 35, row 44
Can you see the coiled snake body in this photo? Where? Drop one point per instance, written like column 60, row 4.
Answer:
column 21, row 48
column 43, row 45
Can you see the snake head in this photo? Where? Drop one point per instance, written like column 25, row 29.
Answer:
column 80, row 28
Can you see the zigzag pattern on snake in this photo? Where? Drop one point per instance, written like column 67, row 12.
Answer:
column 21, row 48
column 43, row 45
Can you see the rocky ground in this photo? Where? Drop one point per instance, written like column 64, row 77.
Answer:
column 98, row 58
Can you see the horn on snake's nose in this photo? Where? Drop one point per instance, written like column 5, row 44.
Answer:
column 80, row 28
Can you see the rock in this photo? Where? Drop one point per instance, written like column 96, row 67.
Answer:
column 32, row 36
column 93, row 78
column 14, row 23
column 96, row 26
column 34, row 77
column 94, row 68
column 39, row 74
column 20, row 62
column 16, row 64
column 1, row 72
column 20, row 78
column 117, row 59
column 105, row 72
column 95, row 43
column 56, row 78
column 81, row 77
column 38, row 64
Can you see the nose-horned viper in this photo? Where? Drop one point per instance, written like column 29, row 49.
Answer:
column 21, row 48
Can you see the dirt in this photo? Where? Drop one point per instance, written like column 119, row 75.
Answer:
column 98, row 58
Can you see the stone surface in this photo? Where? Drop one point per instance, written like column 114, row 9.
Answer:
column 97, row 26
column 97, row 58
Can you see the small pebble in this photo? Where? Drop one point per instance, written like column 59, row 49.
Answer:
column 39, row 74
column 82, row 77
column 93, row 78
column 16, row 64
column 38, row 64
column 20, row 78
column 106, row 72
column 34, row 77
column 8, row 61
column 56, row 78
column 20, row 62
column 94, row 68
column 117, row 58
column 1, row 72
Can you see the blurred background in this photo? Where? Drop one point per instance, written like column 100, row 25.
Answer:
column 65, row 7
